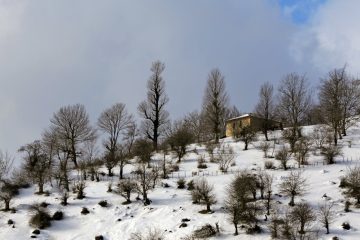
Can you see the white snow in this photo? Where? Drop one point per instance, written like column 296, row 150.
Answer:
column 170, row 205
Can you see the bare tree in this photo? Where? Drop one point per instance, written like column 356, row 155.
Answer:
column 352, row 179
column 283, row 156
column 326, row 215
column 113, row 121
column 238, row 200
column 36, row 164
column 225, row 157
column 268, row 189
column 143, row 151
column 125, row 149
column 153, row 109
column 90, row 153
column 265, row 107
column 180, row 137
column 331, row 97
column 196, row 123
column 247, row 135
column 125, row 188
column 7, row 193
column 294, row 101
column 215, row 103
column 72, row 126
column 303, row 215
column 204, row 192
column 293, row 185
column 320, row 136
column 6, row 162
column 302, row 149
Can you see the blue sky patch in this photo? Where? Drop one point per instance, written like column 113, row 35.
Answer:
column 300, row 10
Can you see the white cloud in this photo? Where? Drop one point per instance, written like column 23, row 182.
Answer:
column 332, row 38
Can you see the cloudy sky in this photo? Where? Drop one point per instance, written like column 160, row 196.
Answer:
column 55, row 53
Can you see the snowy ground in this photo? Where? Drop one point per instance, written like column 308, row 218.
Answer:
column 170, row 205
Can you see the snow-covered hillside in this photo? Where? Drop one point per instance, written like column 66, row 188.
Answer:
column 170, row 205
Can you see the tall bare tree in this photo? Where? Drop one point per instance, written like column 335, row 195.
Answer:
column 294, row 101
column 72, row 126
column 113, row 121
column 215, row 103
column 153, row 108
column 265, row 106
column 331, row 94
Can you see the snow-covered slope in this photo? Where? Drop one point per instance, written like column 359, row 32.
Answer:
column 170, row 205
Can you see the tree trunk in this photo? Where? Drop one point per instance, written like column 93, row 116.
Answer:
column 292, row 202
column 236, row 229
column 327, row 227
column 208, row 207
column 121, row 171
column 41, row 188
column 7, row 205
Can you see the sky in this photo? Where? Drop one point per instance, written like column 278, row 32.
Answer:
column 97, row 53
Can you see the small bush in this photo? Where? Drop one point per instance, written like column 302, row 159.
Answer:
column 165, row 185
column 205, row 231
column 181, row 183
column 190, row 185
column 40, row 218
column 103, row 203
column 346, row 226
column 151, row 234
column 99, row 237
column 58, row 215
column 201, row 163
column 10, row 222
column 85, row 211
column 269, row 165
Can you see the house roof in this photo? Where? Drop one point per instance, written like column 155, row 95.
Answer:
column 248, row 115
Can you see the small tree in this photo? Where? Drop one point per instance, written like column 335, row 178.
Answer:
column 330, row 151
column 265, row 147
column 352, row 179
column 203, row 191
column 125, row 188
column 293, row 185
column 80, row 187
column 143, row 150
column 238, row 200
column 302, row 148
column 36, row 164
column 247, row 135
column 326, row 215
column 7, row 193
column 179, row 139
column 303, row 215
column 225, row 157
column 283, row 156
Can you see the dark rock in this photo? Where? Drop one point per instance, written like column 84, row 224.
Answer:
column 36, row 232
column 185, row 220
column 33, row 236
column 10, row 222
column 183, row 225
column 100, row 237
column 119, row 220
